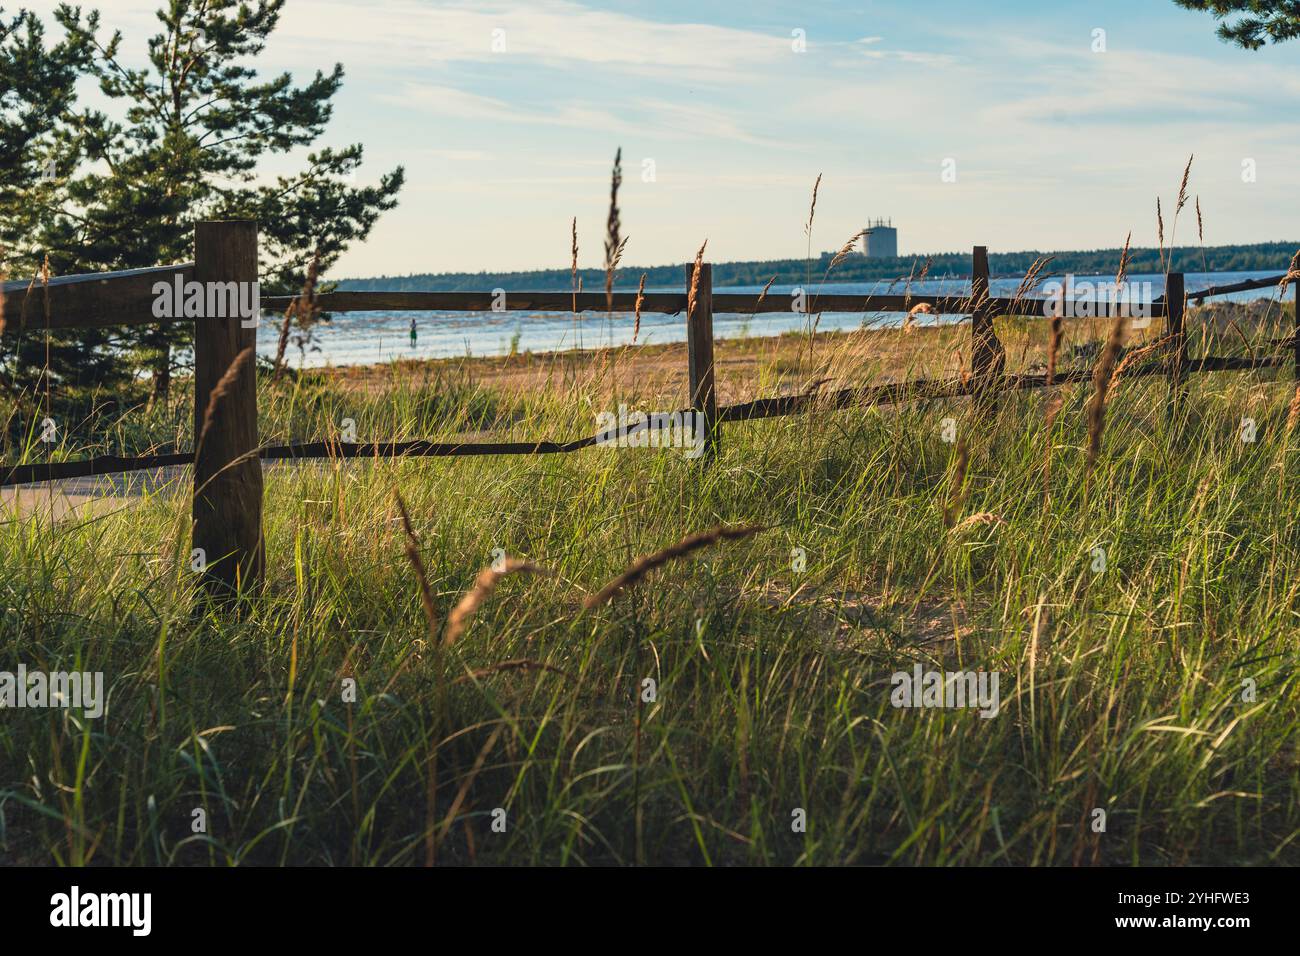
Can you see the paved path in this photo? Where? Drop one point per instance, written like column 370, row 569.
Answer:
column 102, row 492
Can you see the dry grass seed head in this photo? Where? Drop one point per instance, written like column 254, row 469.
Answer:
column 640, row 300
column 613, row 243
column 1101, row 376
column 1160, row 230
column 957, row 487
column 417, row 563
column 1135, row 357
column 695, row 280
column 812, row 208
column 484, row 584
column 977, row 520
column 1182, row 188
column 1122, row 273
column 642, row 566
column 224, row 385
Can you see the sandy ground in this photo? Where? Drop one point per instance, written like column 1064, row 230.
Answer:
column 749, row 368
column 81, row 496
column 745, row 368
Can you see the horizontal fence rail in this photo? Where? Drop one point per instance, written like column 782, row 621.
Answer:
column 127, row 298
column 673, row 303
column 760, row 408
column 87, row 301
column 1246, row 285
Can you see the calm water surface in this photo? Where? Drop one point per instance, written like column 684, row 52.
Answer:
column 364, row 338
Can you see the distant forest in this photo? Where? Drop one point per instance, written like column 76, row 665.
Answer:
column 856, row 268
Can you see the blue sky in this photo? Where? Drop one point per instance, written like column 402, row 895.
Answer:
column 1055, row 146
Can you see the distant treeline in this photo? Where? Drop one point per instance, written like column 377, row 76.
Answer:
column 856, row 268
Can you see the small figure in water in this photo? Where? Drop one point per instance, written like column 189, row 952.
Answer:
column 412, row 333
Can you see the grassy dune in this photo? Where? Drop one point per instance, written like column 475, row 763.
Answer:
column 1122, row 689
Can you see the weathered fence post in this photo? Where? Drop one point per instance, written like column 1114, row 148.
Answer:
column 699, row 356
column 227, row 472
column 1175, row 302
column 988, row 356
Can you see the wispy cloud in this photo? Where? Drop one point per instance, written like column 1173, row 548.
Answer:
column 642, row 117
column 1054, row 145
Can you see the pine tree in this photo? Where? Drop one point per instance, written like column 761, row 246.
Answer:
column 190, row 132
column 1261, row 21
column 37, row 93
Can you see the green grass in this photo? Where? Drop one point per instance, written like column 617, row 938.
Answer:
column 1120, row 690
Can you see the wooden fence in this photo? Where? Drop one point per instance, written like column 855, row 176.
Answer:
column 227, row 498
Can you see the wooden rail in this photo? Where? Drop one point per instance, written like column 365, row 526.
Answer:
column 126, row 298
column 87, row 301
column 666, row 303
column 1246, row 285
column 227, row 496
column 754, row 410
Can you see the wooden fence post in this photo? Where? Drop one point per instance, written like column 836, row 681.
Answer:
column 227, row 472
column 699, row 356
column 1175, row 302
column 988, row 356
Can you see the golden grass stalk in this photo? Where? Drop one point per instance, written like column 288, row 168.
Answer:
column 957, row 487
column 1056, row 326
column 812, row 208
column 573, row 263
column 613, row 244
column 763, row 295
column 1293, row 413
column 1200, row 235
column 417, row 563
column 1031, row 276
column 1054, row 406
column 1160, row 232
column 484, row 584
column 642, row 566
column 640, row 299
column 1101, row 376
column 1292, row 273
column 303, row 306
column 695, row 280
column 45, row 293
column 1182, row 188
column 976, row 520
column 1133, row 358
column 1122, row 272
column 921, row 308
column 224, row 385
column 845, row 250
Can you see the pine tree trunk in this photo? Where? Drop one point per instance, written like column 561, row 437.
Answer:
column 162, row 374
